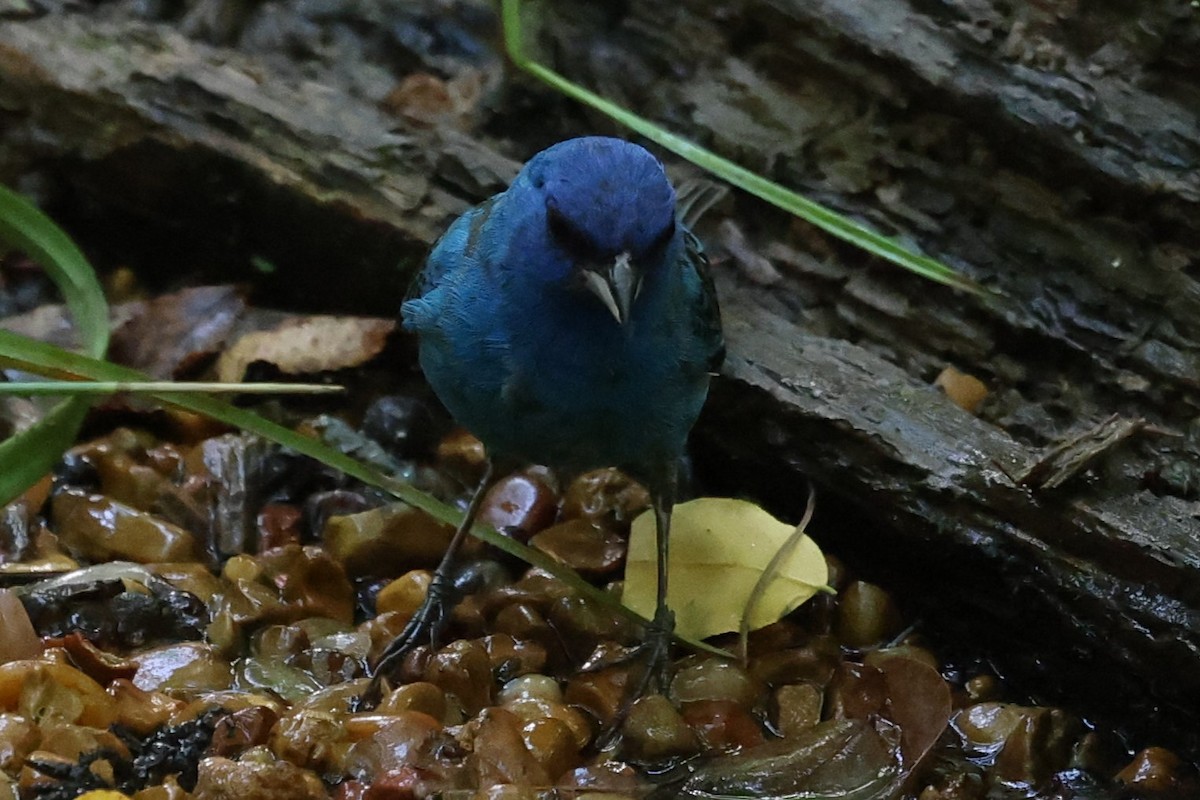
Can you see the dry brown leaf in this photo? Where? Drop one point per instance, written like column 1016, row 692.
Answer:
column 307, row 345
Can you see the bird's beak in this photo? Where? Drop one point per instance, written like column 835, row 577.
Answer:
column 617, row 286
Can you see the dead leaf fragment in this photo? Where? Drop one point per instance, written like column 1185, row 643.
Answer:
column 307, row 345
column 966, row 391
column 719, row 548
column 18, row 639
column 169, row 336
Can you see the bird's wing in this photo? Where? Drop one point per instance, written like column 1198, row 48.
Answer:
column 707, row 314
column 456, row 248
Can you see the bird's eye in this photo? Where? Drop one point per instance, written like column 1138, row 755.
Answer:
column 662, row 239
column 570, row 238
column 658, row 247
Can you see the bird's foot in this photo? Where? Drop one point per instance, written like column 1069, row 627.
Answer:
column 656, row 651
column 425, row 627
column 655, row 678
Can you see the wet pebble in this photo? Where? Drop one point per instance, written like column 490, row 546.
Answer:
column 243, row 729
column 723, row 725
column 463, row 669
column 417, row 696
column 530, row 687
column 186, row 667
column 40, row 690
column 655, row 730
column 867, row 615
column 388, row 541
column 512, row 658
column 520, row 505
column 1039, row 746
column 606, row 497
column 101, row 529
column 141, row 711
column 1154, row 769
column 405, row 594
column 279, row 524
column 462, row 455
column 499, row 754
column 797, row 708
column 601, row 693
column 224, row 779
column 581, row 545
column 552, row 744
column 714, row 679
column 404, row 425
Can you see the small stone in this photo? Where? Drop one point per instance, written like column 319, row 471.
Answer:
column 310, row 583
column 723, row 725
column 814, row 662
column 910, row 651
column 101, row 529
column 463, row 455
column 1038, row 747
column 534, row 709
column 18, row 639
column 867, row 615
column 417, row 696
column 243, row 729
column 44, row 690
column 1154, row 769
column 714, row 679
column 223, row 779
column 981, row 688
column 984, row 726
column 499, row 754
column 186, row 667
column 278, row 525
column 582, row 546
column 606, row 497
column 519, row 504
column 512, row 658
column 462, row 668
column 552, row 743
column 798, row 708
column 601, row 692
column 655, row 730
column 388, row 541
column 405, row 594
column 141, row 711
column 404, row 425
column 530, row 687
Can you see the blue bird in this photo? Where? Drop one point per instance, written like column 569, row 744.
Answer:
column 570, row 321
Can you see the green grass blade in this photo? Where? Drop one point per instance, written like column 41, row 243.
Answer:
column 71, row 388
column 28, row 455
column 38, row 357
column 824, row 218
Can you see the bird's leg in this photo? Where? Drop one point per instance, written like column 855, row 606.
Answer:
column 441, row 597
column 662, row 627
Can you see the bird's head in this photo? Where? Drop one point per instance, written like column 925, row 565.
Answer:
column 609, row 211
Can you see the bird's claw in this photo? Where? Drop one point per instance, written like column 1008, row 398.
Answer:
column 425, row 627
column 657, row 652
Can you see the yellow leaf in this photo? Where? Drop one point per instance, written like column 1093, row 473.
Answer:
column 719, row 549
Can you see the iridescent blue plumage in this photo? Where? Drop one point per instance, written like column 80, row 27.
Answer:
column 570, row 321
column 535, row 364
